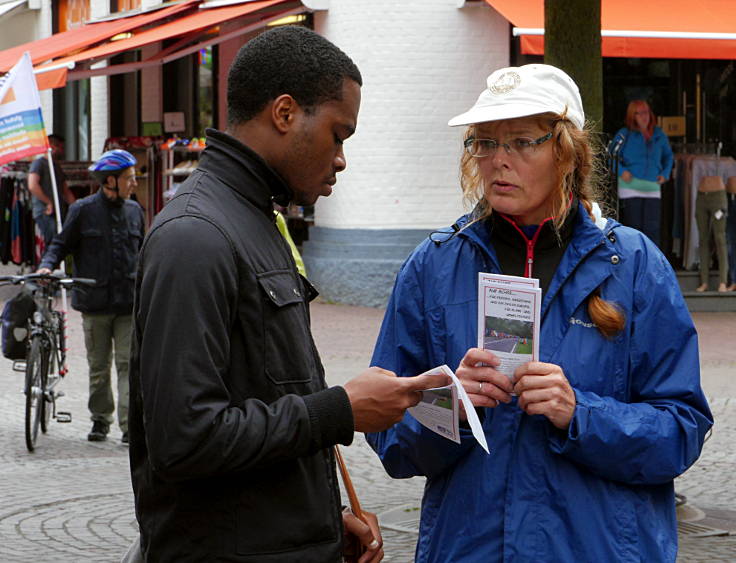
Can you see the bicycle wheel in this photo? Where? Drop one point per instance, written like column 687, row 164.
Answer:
column 35, row 367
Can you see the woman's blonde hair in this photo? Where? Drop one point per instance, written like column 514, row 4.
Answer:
column 577, row 176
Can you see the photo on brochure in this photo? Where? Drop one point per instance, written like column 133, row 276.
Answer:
column 508, row 323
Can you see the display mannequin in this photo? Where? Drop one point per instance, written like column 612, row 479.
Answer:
column 711, row 209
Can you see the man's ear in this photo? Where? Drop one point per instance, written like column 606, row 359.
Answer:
column 283, row 112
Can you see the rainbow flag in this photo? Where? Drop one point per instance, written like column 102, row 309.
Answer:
column 22, row 132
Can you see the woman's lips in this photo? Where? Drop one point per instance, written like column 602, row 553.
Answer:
column 503, row 186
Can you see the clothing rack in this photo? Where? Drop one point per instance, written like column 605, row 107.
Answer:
column 710, row 147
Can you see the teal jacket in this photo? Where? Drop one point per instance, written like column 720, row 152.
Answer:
column 644, row 159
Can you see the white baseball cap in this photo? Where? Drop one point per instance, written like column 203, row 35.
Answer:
column 525, row 90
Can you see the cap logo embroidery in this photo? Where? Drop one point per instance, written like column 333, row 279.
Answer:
column 505, row 83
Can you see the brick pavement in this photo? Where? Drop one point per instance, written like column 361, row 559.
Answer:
column 70, row 501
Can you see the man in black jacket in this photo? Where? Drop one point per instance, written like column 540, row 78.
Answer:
column 103, row 232
column 231, row 422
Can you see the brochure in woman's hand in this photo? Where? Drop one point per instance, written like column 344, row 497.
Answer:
column 439, row 409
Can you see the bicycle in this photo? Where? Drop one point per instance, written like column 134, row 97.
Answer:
column 45, row 361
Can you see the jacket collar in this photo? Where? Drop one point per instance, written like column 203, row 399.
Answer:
column 118, row 203
column 243, row 170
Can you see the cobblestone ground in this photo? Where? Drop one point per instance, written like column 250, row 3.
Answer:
column 70, row 501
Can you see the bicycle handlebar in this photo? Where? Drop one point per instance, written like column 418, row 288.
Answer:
column 54, row 278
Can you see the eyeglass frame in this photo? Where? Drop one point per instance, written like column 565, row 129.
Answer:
column 534, row 143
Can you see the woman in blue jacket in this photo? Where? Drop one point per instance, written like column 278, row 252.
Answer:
column 645, row 160
column 585, row 443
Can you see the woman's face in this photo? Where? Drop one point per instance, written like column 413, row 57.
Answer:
column 520, row 183
column 641, row 115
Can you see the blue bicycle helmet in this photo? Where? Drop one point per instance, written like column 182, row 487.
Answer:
column 111, row 163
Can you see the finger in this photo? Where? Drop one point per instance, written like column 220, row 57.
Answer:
column 380, row 370
column 475, row 356
column 482, row 400
column 488, row 390
column 358, row 528
column 532, row 396
column 372, row 521
column 528, row 382
column 422, row 382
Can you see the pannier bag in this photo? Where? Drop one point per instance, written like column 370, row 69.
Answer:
column 15, row 316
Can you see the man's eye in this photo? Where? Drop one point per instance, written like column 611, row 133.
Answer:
column 338, row 140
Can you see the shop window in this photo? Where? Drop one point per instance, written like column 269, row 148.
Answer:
column 72, row 118
column 70, row 14
column 206, row 96
column 124, row 5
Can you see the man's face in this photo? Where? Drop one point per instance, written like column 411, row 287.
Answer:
column 126, row 183
column 315, row 153
column 57, row 148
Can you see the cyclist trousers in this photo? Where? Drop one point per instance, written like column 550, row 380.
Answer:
column 104, row 334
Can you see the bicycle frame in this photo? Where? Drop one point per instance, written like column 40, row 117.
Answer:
column 45, row 362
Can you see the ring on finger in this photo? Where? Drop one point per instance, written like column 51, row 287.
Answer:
column 480, row 387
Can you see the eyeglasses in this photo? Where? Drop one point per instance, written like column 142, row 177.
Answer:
column 521, row 146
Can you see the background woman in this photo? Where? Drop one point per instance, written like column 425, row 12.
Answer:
column 584, row 444
column 645, row 164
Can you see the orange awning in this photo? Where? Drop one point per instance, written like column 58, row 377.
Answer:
column 188, row 25
column 67, row 42
column 52, row 79
column 668, row 29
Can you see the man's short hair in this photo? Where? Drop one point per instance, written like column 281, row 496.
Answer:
column 55, row 137
column 286, row 60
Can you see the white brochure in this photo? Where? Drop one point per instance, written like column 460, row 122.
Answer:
column 439, row 409
column 508, row 319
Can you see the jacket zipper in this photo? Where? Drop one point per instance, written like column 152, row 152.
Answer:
column 529, row 265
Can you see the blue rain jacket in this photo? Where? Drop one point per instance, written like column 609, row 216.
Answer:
column 644, row 159
column 602, row 491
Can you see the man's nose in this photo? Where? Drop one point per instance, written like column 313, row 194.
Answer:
column 340, row 161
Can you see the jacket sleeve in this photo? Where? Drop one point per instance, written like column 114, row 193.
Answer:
column 64, row 242
column 667, row 159
column 408, row 449
column 186, row 306
column 659, row 433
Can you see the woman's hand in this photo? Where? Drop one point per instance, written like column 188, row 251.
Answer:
column 485, row 386
column 661, row 179
column 544, row 389
column 626, row 176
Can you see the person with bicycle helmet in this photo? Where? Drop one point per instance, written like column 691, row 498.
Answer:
column 103, row 232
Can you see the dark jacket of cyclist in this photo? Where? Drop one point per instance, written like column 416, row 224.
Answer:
column 104, row 237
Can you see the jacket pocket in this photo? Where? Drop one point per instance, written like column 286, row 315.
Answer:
column 287, row 340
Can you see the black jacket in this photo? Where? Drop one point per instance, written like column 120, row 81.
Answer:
column 104, row 238
column 230, row 420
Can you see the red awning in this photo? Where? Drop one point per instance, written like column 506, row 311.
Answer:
column 189, row 26
column 668, row 29
column 59, row 44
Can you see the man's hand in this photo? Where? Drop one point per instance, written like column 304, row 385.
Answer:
column 661, row 179
column 43, row 271
column 368, row 535
column 49, row 209
column 379, row 398
column 485, row 386
column 626, row 176
column 543, row 389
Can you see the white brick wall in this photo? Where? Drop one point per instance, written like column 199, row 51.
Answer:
column 422, row 61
